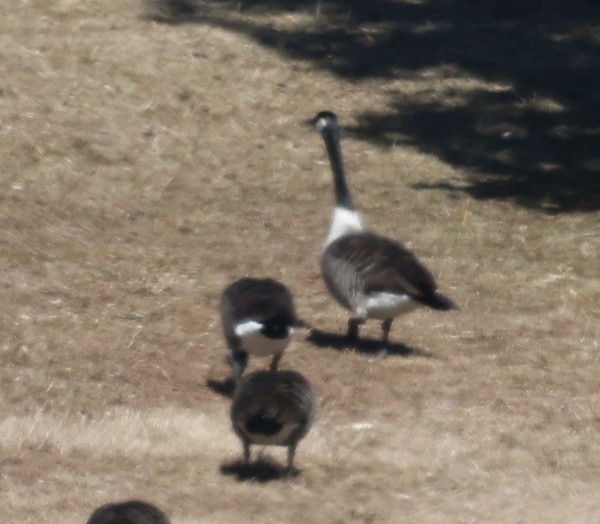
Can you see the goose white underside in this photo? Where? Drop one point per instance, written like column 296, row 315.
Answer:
column 344, row 222
column 257, row 344
column 384, row 306
column 279, row 439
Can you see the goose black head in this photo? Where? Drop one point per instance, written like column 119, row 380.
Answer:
column 323, row 120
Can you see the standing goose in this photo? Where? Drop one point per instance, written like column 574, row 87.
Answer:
column 272, row 408
column 258, row 318
column 130, row 512
column 368, row 274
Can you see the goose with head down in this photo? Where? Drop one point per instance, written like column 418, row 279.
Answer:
column 273, row 408
column 258, row 318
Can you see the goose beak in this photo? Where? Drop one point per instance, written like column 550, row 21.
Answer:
column 312, row 122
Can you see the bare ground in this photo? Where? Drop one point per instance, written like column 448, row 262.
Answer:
column 145, row 165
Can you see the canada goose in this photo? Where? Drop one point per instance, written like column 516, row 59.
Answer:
column 130, row 512
column 258, row 318
column 272, row 408
column 371, row 275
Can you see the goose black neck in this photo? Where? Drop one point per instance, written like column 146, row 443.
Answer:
column 334, row 151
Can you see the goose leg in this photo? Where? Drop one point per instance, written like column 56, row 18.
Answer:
column 359, row 318
column 246, row 452
column 290, row 459
column 275, row 361
column 353, row 325
column 238, row 361
column 386, row 325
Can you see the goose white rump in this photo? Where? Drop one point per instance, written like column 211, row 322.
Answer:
column 384, row 306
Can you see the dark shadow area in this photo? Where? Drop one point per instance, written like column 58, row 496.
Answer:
column 261, row 470
column 531, row 138
column 511, row 149
column 172, row 11
column 365, row 346
column 224, row 387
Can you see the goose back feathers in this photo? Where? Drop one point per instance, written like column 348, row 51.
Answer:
column 130, row 512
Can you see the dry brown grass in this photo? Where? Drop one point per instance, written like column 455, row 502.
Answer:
column 144, row 166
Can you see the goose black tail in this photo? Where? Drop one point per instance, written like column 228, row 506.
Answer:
column 440, row 302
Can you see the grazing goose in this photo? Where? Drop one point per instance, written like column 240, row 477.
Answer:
column 258, row 318
column 371, row 275
column 272, row 408
column 130, row 512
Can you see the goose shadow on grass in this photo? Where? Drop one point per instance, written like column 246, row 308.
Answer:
column 365, row 346
column 224, row 387
column 261, row 470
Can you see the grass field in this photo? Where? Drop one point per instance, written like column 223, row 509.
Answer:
column 150, row 156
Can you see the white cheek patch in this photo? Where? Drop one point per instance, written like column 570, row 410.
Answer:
column 247, row 328
column 344, row 221
column 321, row 124
column 255, row 343
column 389, row 305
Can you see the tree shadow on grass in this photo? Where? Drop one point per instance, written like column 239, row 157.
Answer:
column 511, row 88
column 261, row 470
column 364, row 346
column 525, row 151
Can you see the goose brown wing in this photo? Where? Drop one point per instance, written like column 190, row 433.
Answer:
column 383, row 265
column 277, row 397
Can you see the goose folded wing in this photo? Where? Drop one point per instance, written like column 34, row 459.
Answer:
column 383, row 265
